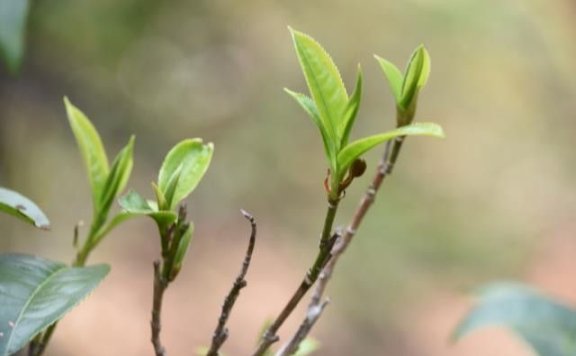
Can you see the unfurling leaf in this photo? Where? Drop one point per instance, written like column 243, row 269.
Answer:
column 548, row 326
column 393, row 75
column 351, row 110
column 36, row 292
column 118, row 177
column 189, row 159
column 16, row 204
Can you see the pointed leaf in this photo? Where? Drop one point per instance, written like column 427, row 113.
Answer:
column 181, row 250
column 91, row 148
column 172, row 185
column 352, row 110
column 547, row 326
column 13, row 15
column 16, row 204
column 324, row 83
column 415, row 77
column 309, row 106
column 118, row 177
column 36, row 293
column 357, row 148
column 194, row 156
column 394, row 77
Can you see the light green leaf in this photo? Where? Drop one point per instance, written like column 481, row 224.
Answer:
column 394, row 77
column 182, row 249
column 351, row 110
column 547, row 326
column 118, row 177
column 134, row 205
column 172, row 185
column 309, row 106
column 324, row 82
column 92, row 150
column 16, row 204
column 36, row 293
column 358, row 148
column 13, row 15
column 307, row 347
column 194, row 157
column 415, row 77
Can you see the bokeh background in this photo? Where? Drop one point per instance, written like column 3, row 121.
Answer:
column 494, row 200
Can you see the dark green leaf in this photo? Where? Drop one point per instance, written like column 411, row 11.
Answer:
column 324, row 83
column 194, row 157
column 91, row 149
column 18, row 205
column 357, row 148
column 36, row 293
column 352, row 110
column 13, row 15
column 546, row 325
column 394, row 77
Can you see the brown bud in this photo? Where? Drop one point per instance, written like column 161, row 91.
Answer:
column 357, row 168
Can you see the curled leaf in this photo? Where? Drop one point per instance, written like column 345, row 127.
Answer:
column 16, row 204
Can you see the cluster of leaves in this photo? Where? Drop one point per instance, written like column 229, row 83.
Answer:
column 37, row 292
column 334, row 111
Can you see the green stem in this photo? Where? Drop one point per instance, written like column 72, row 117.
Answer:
column 326, row 243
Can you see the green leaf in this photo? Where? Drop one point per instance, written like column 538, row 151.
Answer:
column 181, row 250
column 134, row 205
column 416, row 76
column 13, row 15
column 547, row 326
column 351, row 110
column 172, row 185
column 394, row 77
column 324, row 82
column 118, row 177
column 194, row 157
column 14, row 203
column 309, row 106
column 307, row 347
column 92, row 150
column 357, row 148
column 36, row 293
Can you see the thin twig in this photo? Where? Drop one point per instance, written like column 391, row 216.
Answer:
column 326, row 243
column 160, row 285
column 221, row 332
column 316, row 305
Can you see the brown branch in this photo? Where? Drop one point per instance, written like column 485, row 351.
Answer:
column 160, row 285
column 326, row 242
column 316, row 305
column 221, row 332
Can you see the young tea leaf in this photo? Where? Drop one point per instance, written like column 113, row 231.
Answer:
column 394, row 77
column 13, row 15
column 358, row 148
column 118, row 177
column 181, row 250
column 36, row 293
column 416, row 76
column 324, row 83
column 194, row 157
column 310, row 108
column 16, row 204
column 547, row 326
column 92, row 150
column 134, row 205
column 351, row 110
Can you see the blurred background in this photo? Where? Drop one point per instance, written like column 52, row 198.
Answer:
column 494, row 200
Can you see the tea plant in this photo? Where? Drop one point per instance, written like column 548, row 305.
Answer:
column 40, row 292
